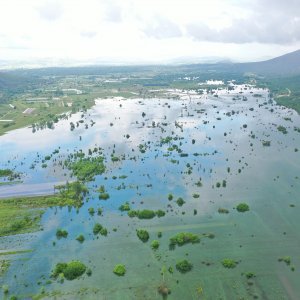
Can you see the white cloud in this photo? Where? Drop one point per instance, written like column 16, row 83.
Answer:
column 147, row 31
column 50, row 10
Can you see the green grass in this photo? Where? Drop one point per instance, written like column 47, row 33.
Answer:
column 15, row 252
column 23, row 214
column 4, row 265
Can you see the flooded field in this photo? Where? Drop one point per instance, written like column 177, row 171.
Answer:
column 213, row 151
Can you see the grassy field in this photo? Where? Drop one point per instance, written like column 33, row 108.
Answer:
column 23, row 214
column 286, row 91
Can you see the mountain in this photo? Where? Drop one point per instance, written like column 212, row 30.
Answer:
column 288, row 64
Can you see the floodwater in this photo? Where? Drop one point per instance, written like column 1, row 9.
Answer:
column 228, row 132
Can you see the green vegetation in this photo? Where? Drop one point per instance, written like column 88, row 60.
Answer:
column 85, row 169
column 242, row 207
column 60, row 233
column 170, row 197
column 223, row 211
column 124, row 207
column 70, row 270
column 4, row 265
column 180, row 201
column 155, row 244
column 6, row 172
column 183, row 238
column 285, row 259
column 282, row 129
column 80, row 238
column 23, row 214
column 91, row 211
column 249, row 275
column 98, row 228
column 143, row 235
column 104, row 196
column 146, row 213
column 229, row 263
column 184, row 266
column 119, row 270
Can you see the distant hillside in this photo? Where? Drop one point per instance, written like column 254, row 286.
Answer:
column 288, row 64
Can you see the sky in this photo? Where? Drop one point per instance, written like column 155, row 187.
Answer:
column 62, row 32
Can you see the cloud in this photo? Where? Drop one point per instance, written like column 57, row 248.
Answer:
column 273, row 24
column 88, row 34
column 112, row 12
column 161, row 28
column 50, row 11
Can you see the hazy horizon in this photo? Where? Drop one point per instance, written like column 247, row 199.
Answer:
column 65, row 33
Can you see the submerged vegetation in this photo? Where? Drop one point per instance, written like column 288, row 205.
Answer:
column 85, row 168
column 119, row 270
column 184, row 266
column 242, row 207
column 143, row 235
column 146, row 213
column 70, row 270
column 183, row 238
column 229, row 263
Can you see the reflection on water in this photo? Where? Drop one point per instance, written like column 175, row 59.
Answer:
column 223, row 139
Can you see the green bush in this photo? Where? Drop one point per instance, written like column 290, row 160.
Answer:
column 124, row 207
column 160, row 213
column 119, row 270
column 80, row 238
column 104, row 196
column 242, row 207
column 229, row 263
column 170, row 197
column 155, row 244
column 70, row 270
column 97, row 228
column 180, row 201
column 145, row 214
column 91, row 211
column 223, row 211
column 183, row 238
column 143, row 235
column 61, row 233
column 184, row 266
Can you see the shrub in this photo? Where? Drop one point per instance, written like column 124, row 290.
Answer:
column 242, row 207
column 223, row 211
column 119, row 270
column 160, row 213
column 145, row 214
column 184, row 266
column 132, row 213
column 249, row 275
column 170, row 197
column 183, row 238
column 180, row 201
column 60, row 233
column 229, row 263
column 155, row 244
column 124, row 207
column 91, row 211
column 97, row 228
column 285, row 259
column 80, row 238
column 104, row 196
column 143, row 235
column 103, row 231
column 70, row 270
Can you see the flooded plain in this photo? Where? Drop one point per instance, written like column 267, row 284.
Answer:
column 214, row 151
